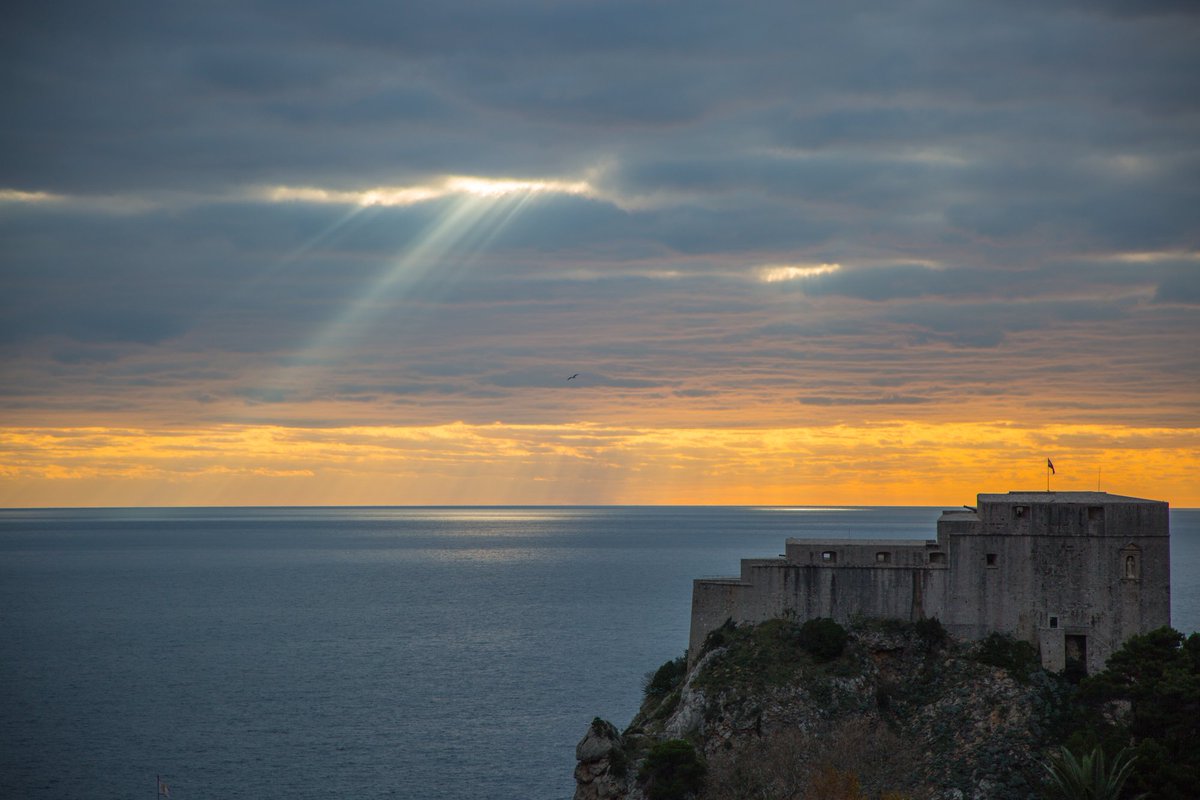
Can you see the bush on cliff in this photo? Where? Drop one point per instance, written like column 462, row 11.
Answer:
column 1017, row 657
column 666, row 678
column 673, row 770
column 822, row 638
column 931, row 632
column 719, row 637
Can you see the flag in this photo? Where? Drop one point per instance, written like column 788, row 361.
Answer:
column 1050, row 466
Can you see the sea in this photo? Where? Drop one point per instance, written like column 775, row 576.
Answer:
column 432, row 653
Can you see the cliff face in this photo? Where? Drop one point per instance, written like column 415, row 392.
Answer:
column 901, row 710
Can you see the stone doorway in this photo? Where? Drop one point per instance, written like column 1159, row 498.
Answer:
column 1076, row 655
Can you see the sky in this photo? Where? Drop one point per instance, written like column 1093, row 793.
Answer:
column 818, row 253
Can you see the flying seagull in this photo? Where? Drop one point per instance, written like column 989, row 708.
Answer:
column 573, row 377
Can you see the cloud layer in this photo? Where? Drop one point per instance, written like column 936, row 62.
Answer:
column 377, row 216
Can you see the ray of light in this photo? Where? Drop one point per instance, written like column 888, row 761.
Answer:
column 468, row 225
column 330, row 232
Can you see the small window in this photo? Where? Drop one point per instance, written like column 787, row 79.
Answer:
column 883, row 558
column 1054, row 622
column 991, row 559
column 937, row 558
column 1095, row 513
column 1020, row 511
column 829, row 557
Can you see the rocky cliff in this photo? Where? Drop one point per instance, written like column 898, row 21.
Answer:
column 887, row 709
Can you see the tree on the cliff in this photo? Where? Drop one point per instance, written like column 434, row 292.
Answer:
column 673, row 770
column 666, row 678
column 1148, row 697
column 822, row 638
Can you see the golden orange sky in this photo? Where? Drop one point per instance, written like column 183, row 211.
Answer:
column 884, row 463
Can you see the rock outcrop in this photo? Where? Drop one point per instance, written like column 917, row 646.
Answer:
column 902, row 709
column 602, row 769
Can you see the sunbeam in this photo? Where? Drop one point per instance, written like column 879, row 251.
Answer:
column 476, row 211
column 338, row 227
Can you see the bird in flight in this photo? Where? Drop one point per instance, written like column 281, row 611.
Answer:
column 573, row 377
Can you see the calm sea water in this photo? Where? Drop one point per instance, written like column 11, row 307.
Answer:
column 375, row 652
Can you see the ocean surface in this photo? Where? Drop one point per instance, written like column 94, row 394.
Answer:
column 364, row 652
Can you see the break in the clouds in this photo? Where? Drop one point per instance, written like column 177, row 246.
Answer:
column 721, row 217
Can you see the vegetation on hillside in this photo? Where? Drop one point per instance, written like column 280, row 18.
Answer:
column 894, row 709
column 673, row 770
column 1148, row 699
column 1088, row 777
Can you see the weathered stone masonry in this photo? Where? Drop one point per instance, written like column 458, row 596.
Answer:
column 1073, row 573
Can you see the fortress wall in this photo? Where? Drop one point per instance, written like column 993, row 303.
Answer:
column 1071, row 574
column 771, row 588
column 860, row 552
column 989, row 577
column 933, row 584
column 878, row 592
column 1074, row 581
column 714, row 600
column 1141, row 600
column 1154, row 586
column 752, row 566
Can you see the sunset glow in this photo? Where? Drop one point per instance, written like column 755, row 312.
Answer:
column 888, row 463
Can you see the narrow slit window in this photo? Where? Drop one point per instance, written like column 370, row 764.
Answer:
column 992, row 559
column 1054, row 622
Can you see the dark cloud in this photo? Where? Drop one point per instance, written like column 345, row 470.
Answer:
column 884, row 400
column 1025, row 149
column 1182, row 286
column 892, row 282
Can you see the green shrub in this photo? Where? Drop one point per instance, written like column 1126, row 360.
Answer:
column 673, row 770
column 822, row 638
column 1018, row 658
column 1088, row 777
column 931, row 632
column 718, row 637
column 666, row 678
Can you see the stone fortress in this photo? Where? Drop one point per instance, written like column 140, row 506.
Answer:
column 1073, row 573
